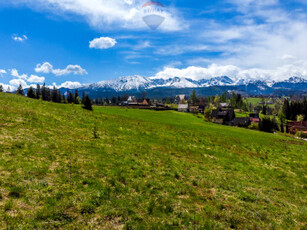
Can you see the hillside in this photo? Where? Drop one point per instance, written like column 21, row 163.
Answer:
column 146, row 169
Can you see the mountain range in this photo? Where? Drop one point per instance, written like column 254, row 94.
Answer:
column 168, row 87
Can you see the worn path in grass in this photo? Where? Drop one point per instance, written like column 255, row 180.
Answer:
column 146, row 170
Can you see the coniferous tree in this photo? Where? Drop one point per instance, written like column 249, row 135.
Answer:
column 87, row 103
column 38, row 91
column 194, row 98
column 20, row 91
column 31, row 93
column 83, row 97
column 223, row 97
column 1, row 88
column 76, row 98
column 55, row 95
column 44, row 93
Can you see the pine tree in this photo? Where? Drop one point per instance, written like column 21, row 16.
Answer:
column 55, row 95
column 87, row 103
column 223, row 98
column 1, row 88
column 31, row 93
column 194, row 98
column 38, row 91
column 83, row 97
column 20, row 91
column 76, row 98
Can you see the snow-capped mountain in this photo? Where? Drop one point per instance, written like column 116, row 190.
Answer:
column 159, row 87
column 139, row 83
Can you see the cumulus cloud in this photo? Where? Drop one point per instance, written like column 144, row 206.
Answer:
column 16, row 82
column 7, row 88
column 36, row 79
column 102, row 43
column 105, row 13
column 48, row 68
column 2, row 72
column 70, row 85
column 235, row 72
column 19, row 38
column 14, row 73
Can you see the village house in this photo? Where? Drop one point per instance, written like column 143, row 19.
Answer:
column 223, row 116
column 144, row 102
column 183, row 108
column 254, row 117
column 179, row 99
column 296, row 126
column 132, row 100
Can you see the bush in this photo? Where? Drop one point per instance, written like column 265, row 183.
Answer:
column 268, row 125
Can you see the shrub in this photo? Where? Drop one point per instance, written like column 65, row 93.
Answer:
column 268, row 125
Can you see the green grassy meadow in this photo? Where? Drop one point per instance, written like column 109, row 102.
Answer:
column 146, row 170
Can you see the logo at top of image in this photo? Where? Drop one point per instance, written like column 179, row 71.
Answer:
column 153, row 14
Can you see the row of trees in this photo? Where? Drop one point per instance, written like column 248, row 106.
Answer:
column 295, row 109
column 46, row 94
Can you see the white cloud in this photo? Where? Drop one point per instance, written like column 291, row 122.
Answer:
column 36, row 79
column 14, row 73
column 7, row 87
column 105, row 13
column 102, row 43
column 2, row 72
column 48, row 68
column 197, row 73
column 19, row 38
column 16, row 82
column 70, row 85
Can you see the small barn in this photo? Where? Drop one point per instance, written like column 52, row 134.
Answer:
column 183, row 108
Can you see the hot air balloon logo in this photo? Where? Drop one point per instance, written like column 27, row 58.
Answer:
column 153, row 14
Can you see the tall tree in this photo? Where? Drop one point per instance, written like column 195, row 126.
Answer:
column 38, row 91
column 20, row 91
column 83, row 97
column 194, row 98
column 223, row 97
column 1, row 88
column 87, row 103
column 77, row 98
column 31, row 93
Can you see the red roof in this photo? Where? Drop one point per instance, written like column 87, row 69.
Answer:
column 255, row 120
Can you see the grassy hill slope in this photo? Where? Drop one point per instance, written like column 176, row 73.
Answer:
column 146, row 169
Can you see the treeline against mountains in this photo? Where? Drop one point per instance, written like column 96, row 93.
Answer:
column 54, row 95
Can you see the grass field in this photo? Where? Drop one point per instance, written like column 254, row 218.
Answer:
column 146, row 170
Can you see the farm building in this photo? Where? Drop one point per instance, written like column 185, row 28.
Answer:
column 183, row 108
column 223, row 116
column 144, row 102
column 294, row 127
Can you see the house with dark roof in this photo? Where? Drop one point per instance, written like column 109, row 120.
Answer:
column 296, row 126
column 223, row 116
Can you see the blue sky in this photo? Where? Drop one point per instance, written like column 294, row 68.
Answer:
column 49, row 40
